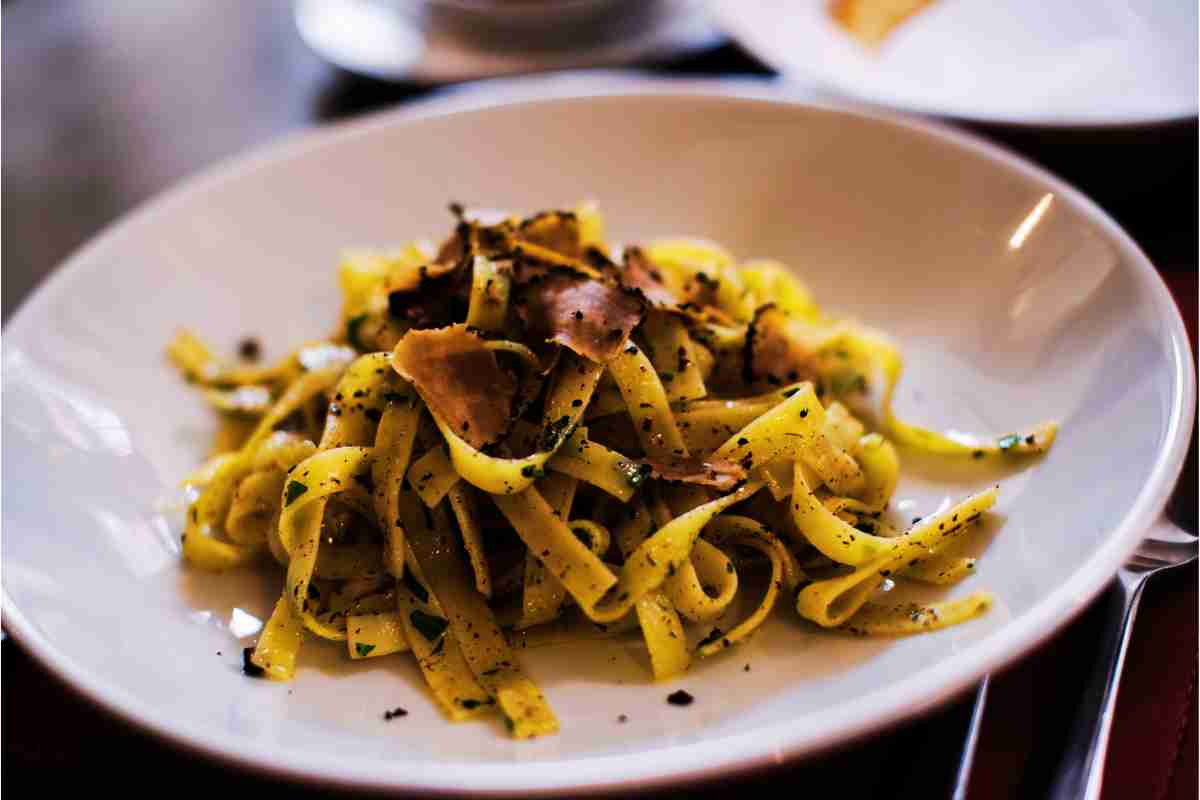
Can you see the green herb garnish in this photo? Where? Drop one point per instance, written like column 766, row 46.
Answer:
column 583, row 536
column 555, row 432
column 635, row 474
column 363, row 650
column 847, row 383
column 352, row 326
column 428, row 625
column 294, row 489
column 415, row 587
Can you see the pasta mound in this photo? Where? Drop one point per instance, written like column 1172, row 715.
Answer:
column 527, row 436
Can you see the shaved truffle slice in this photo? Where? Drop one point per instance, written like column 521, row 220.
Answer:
column 411, row 277
column 640, row 274
column 719, row 474
column 435, row 294
column 587, row 316
column 454, row 249
column 598, row 259
column 533, row 263
column 543, row 243
column 429, row 296
column 494, row 241
column 554, row 230
column 696, row 299
column 771, row 357
column 701, row 290
column 459, row 379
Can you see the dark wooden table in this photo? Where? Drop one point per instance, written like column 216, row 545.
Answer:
column 105, row 104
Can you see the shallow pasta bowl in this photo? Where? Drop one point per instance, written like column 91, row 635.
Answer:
column 1014, row 298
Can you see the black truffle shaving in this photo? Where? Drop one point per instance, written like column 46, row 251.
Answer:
column 748, row 347
column 249, row 667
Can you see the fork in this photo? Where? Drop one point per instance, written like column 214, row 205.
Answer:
column 1081, row 770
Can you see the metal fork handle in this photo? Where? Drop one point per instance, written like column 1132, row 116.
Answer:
column 1081, row 770
column 966, row 760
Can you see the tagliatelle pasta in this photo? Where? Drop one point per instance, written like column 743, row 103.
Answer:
column 526, row 436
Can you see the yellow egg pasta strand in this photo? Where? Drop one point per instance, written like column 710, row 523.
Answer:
column 575, row 382
column 831, row 602
column 483, row 645
column 673, row 356
column 453, row 686
column 279, row 642
column 876, row 619
column 593, row 463
column 647, row 403
column 730, row 529
column 375, row 635
column 490, row 288
column 542, row 594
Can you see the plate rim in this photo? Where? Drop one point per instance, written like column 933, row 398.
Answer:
column 706, row 759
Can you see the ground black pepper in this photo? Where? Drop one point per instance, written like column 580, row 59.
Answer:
column 249, row 667
column 249, row 349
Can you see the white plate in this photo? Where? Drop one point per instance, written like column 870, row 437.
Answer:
column 1024, row 62
column 907, row 224
column 389, row 43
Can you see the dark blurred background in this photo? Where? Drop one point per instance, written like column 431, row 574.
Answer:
column 106, row 104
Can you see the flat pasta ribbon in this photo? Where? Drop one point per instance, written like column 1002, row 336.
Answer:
column 601, row 422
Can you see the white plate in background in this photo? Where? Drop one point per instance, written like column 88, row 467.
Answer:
column 1022, row 62
column 906, row 224
column 393, row 41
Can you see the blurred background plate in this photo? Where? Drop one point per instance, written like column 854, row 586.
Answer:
column 457, row 40
column 1022, row 62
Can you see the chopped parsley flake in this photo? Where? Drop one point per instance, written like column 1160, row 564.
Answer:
column 415, row 587
column 635, row 474
column 294, row 489
column 554, row 433
column 249, row 667
column 583, row 536
column 428, row 625
column 352, row 326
